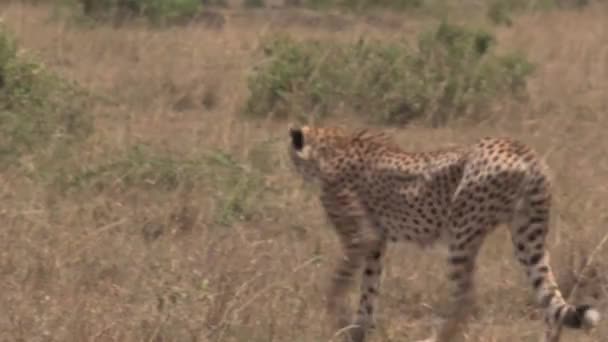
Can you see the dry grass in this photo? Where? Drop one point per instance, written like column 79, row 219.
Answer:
column 132, row 262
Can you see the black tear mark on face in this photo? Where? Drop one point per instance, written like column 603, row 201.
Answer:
column 297, row 139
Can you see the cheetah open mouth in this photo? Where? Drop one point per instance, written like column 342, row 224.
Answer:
column 297, row 139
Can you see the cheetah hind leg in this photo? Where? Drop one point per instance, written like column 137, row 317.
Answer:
column 463, row 252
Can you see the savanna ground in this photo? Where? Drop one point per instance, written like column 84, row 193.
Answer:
column 177, row 218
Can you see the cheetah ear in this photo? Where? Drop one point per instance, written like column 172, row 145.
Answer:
column 299, row 142
column 297, row 139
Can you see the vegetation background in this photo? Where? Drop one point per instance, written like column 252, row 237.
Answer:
column 145, row 191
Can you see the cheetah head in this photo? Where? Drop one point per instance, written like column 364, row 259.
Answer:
column 318, row 153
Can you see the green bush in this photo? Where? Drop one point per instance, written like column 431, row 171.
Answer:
column 162, row 11
column 253, row 3
column 496, row 8
column 389, row 4
column 237, row 187
column 451, row 72
column 501, row 12
column 156, row 11
column 359, row 5
column 38, row 110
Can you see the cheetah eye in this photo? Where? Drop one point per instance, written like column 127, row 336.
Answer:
column 297, row 139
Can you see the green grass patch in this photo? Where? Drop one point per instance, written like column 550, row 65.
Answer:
column 39, row 111
column 501, row 12
column 497, row 10
column 363, row 5
column 452, row 72
column 237, row 187
column 157, row 12
column 254, row 3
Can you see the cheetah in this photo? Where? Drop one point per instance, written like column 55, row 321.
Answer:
column 373, row 192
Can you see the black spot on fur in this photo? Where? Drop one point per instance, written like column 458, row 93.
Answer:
column 455, row 275
column 535, row 258
column 538, row 202
column 459, row 259
column 535, row 234
column 344, row 274
column 537, row 220
column 522, row 229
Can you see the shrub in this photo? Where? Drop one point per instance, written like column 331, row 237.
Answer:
column 451, row 72
column 236, row 187
column 501, row 12
column 164, row 11
column 253, row 3
column 156, row 11
column 389, row 4
column 38, row 110
column 358, row 5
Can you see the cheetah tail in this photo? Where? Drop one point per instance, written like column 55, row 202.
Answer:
column 581, row 316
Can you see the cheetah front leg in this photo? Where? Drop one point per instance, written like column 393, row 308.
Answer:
column 361, row 242
column 370, row 289
column 359, row 249
column 342, row 280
